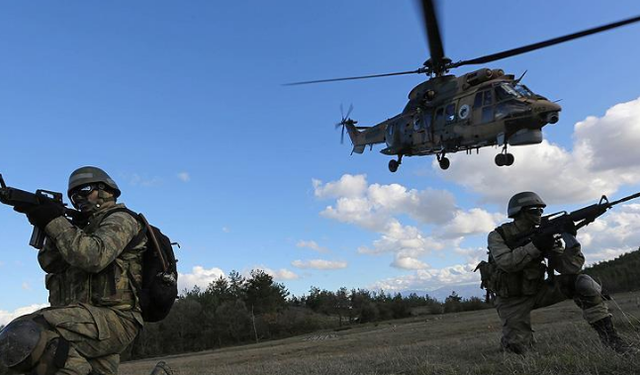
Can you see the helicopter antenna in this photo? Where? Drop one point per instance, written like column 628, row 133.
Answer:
column 521, row 77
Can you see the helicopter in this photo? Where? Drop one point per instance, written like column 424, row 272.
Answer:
column 447, row 113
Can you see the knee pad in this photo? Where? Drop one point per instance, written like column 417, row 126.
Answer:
column 587, row 287
column 22, row 343
column 25, row 346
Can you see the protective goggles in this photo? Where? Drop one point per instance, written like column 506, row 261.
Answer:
column 82, row 193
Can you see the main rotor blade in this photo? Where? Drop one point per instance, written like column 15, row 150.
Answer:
column 349, row 111
column 433, row 32
column 546, row 43
column 421, row 70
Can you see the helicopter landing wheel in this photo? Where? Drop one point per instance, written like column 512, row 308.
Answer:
column 509, row 159
column 393, row 165
column 504, row 159
column 444, row 163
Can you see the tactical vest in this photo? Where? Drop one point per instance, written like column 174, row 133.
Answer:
column 526, row 282
column 111, row 287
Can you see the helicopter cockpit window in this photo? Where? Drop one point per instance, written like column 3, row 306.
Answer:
column 511, row 108
column 487, row 114
column 524, row 90
column 450, row 112
column 505, row 91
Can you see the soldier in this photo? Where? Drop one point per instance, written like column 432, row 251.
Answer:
column 91, row 268
column 518, row 273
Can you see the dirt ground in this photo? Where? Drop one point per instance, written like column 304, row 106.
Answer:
column 462, row 343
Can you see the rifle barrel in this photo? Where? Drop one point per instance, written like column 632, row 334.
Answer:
column 628, row 198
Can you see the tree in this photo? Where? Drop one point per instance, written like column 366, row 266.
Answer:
column 237, row 285
column 452, row 303
column 263, row 295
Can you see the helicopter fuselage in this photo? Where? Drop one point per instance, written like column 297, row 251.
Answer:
column 448, row 114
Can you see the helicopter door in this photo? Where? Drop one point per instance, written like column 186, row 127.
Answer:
column 427, row 121
column 422, row 131
column 438, row 126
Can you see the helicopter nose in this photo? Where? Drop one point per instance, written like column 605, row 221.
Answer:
column 549, row 112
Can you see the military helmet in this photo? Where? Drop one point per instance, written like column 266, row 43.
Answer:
column 522, row 200
column 90, row 175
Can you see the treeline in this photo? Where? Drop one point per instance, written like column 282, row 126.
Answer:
column 237, row 310
column 621, row 274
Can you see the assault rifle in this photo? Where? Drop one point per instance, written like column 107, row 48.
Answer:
column 16, row 197
column 557, row 223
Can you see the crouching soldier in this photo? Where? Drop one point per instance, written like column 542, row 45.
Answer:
column 517, row 277
column 92, row 267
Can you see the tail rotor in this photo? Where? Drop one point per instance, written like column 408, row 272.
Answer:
column 344, row 121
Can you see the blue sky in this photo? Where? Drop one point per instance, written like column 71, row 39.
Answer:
column 182, row 104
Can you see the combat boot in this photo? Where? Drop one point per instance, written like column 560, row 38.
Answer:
column 610, row 338
column 162, row 369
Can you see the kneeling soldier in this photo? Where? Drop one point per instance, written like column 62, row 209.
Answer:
column 92, row 268
column 518, row 277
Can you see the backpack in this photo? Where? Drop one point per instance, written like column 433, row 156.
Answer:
column 159, row 288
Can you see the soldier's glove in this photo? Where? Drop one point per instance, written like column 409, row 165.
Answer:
column 79, row 219
column 544, row 242
column 42, row 214
column 570, row 227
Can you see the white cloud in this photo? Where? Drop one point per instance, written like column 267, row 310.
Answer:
column 184, row 176
column 347, row 186
column 605, row 156
column 406, row 241
column 319, row 264
column 313, row 245
column 200, row 277
column 145, row 181
column 429, row 279
column 379, row 208
column 8, row 316
column 278, row 275
column 372, row 207
column 611, row 235
column 470, row 222
column 409, row 263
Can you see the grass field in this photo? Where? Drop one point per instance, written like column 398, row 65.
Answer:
column 462, row 343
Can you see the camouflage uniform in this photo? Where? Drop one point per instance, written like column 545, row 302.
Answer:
column 91, row 278
column 520, row 286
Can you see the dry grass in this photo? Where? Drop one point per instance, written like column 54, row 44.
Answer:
column 464, row 343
